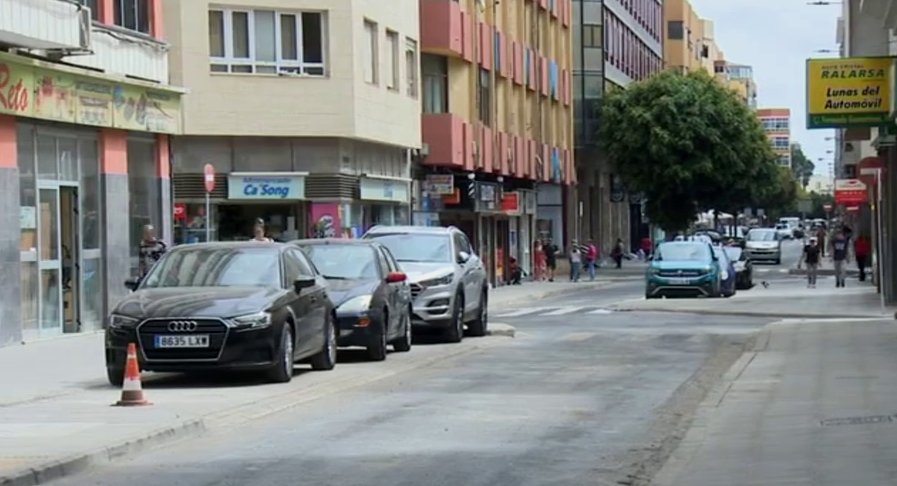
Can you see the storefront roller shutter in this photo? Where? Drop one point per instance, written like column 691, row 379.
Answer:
column 191, row 186
column 331, row 186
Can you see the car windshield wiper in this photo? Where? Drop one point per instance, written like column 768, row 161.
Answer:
column 333, row 277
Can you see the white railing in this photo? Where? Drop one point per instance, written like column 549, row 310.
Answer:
column 127, row 53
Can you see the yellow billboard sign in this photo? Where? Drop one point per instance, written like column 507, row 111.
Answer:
column 847, row 92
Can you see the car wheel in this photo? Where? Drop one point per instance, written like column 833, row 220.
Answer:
column 282, row 371
column 455, row 332
column 403, row 345
column 116, row 376
column 377, row 351
column 479, row 326
column 326, row 359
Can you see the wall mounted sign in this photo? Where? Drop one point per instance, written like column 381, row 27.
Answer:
column 389, row 190
column 267, row 186
column 848, row 92
column 30, row 89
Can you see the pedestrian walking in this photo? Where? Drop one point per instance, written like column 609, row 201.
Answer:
column 151, row 250
column 551, row 258
column 820, row 237
column 839, row 246
column 592, row 259
column 810, row 256
column 258, row 232
column 862, row 249
column 575, row 255
column 617, row 253
column 538, row 261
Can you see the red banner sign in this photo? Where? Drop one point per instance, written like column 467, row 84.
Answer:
column 510, row 202
column 850, row 192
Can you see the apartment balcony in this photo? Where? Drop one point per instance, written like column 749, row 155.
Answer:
column 51, row 25
column 127, row 53
column 441, row 27
column 444, row 135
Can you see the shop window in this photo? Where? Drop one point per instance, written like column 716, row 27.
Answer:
column 28, row 219
column 266, row 42
column 145, row 193
column 435, row 74
column 132, row 14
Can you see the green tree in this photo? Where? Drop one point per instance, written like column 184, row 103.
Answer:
column 689, row 144
column 801, row 167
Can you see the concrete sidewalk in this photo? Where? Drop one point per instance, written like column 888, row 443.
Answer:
column 827, row 268
column 782, row 298
column 814, row 404
column 56, row 418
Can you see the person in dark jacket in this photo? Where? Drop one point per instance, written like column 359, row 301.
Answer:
column 862, row 250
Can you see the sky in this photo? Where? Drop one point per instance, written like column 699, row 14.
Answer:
column 776, row 37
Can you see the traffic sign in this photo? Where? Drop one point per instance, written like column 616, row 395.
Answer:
column 209, row 177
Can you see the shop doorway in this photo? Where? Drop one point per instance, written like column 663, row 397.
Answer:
column 59, row 258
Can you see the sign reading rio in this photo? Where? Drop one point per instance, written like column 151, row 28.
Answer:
column 13, row 93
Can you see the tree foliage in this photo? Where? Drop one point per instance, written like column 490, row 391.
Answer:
column 689, row 144
column 801, row 166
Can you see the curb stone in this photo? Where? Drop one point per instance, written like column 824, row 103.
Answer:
column 781, row 315
column 76, row 463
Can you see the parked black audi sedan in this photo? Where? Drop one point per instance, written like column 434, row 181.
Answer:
column 210, row 306
column 371, row 295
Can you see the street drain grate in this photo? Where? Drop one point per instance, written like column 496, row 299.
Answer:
column 871, row 419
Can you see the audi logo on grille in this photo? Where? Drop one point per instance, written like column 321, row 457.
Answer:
column 182, row 326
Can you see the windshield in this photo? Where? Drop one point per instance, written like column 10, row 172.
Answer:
column 417, row 248
column 683, row 252
column 216, row 267
column 733, row 252
column 344, row 262
column 761, row 235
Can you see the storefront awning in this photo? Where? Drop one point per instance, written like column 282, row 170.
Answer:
column 48, row 91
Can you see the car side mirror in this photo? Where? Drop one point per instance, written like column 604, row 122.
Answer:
column 396, row 277
column 463, row 257
column 132, row 283
column 303, row 283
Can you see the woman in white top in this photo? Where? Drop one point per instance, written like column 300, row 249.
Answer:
column 259, row 232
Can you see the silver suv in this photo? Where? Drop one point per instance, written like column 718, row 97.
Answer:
column 448, row 281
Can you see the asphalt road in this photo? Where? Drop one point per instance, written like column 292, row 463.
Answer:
column 581, row 396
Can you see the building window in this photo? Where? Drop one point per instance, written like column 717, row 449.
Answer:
column 780, row 143
column 675, row 30
column 485, row 108
column 411, row 66
column 371, row 60
column 94, row 7
column 266, row 42
column 392, row 69
column 434, row 70
column 132, row 14
column 592, row 36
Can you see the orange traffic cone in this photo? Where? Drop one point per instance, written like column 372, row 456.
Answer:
column 131, row 390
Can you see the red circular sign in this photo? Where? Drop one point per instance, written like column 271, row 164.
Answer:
column 209, row 177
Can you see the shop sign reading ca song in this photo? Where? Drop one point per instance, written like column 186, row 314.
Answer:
column 265, row 187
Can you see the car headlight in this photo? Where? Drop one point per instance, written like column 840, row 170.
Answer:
column 435, row 282
column 355, row 305
column 121, row 322
column 258, row 320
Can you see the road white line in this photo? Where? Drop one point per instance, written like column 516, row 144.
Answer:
column 524, row 311
column 600, row 312
column 564, row 311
